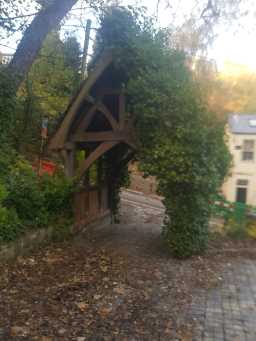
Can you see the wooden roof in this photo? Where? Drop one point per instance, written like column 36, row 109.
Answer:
column 58, row 140
column 96, row 119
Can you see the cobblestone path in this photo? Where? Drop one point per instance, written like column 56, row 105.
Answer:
column 228, row 312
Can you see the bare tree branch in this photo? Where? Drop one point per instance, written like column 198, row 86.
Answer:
column 18, row 17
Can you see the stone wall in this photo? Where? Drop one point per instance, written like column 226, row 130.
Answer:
column 32, row 239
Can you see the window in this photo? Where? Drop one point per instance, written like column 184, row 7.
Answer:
column 252, row 123
column 241, row 191
column 248, row 150
column 242, row 183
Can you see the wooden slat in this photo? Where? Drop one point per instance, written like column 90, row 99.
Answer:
column 98, row 136
column 100, row 150
column 59, row 138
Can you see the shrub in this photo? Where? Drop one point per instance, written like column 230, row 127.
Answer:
column 186, row 225
column 57, row 192
column 28, row 201
column 25, row 196
column 236, row 230
column 251, row 228
column 10, row 225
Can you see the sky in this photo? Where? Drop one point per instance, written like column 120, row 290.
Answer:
column 237, row 48
column 236, row 44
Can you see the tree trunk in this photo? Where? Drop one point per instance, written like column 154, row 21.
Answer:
column 34, row 36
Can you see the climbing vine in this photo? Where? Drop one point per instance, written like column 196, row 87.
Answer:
column 118, row 177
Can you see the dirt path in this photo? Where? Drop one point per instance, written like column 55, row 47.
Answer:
column 119, row 283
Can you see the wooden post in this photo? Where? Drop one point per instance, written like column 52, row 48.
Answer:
column 69, row 159
column 70, row 163
column 121, row 110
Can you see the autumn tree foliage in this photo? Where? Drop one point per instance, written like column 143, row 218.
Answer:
column 46, row 91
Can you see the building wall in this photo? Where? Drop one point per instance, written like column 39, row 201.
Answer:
column 241, row 170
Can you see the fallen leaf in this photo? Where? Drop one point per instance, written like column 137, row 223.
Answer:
column 119, row 290
column 19, row 331
column 104, row 268
column 46, row 338
column 105, row 311
column 82, row 306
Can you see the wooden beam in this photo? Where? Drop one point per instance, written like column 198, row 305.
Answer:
column 121, row 111
column 96, row 154
column 131, row 142
column 69, row 162
column 59, row 138
column 110, row 91
column 85, row 122
column 90, row 99
column 102, row 108
column 99, row 136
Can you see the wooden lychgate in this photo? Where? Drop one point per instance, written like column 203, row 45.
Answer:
column 95, row 122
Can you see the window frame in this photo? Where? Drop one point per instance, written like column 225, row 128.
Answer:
column 242, row 184
column 248, row 151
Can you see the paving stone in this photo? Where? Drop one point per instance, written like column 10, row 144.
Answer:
column 228, row 312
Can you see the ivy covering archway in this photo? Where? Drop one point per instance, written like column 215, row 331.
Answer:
column 181, row 143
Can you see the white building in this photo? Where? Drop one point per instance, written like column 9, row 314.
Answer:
column 241, row 184
column 5, row 58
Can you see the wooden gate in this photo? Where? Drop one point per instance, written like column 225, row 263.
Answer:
column 90, row 205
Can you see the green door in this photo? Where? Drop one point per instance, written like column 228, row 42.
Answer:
column 241, row 194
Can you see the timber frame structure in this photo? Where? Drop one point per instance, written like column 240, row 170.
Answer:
column 94, row 124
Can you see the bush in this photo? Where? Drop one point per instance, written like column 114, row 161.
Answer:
column 57, row 192
column 186, row 225
column 190, row 164
column 28, row 201
column 25, row 196
column 251, row 228
column 10, row 225
column 236, row 230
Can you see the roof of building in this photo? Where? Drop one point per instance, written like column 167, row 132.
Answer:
column 242, row 123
